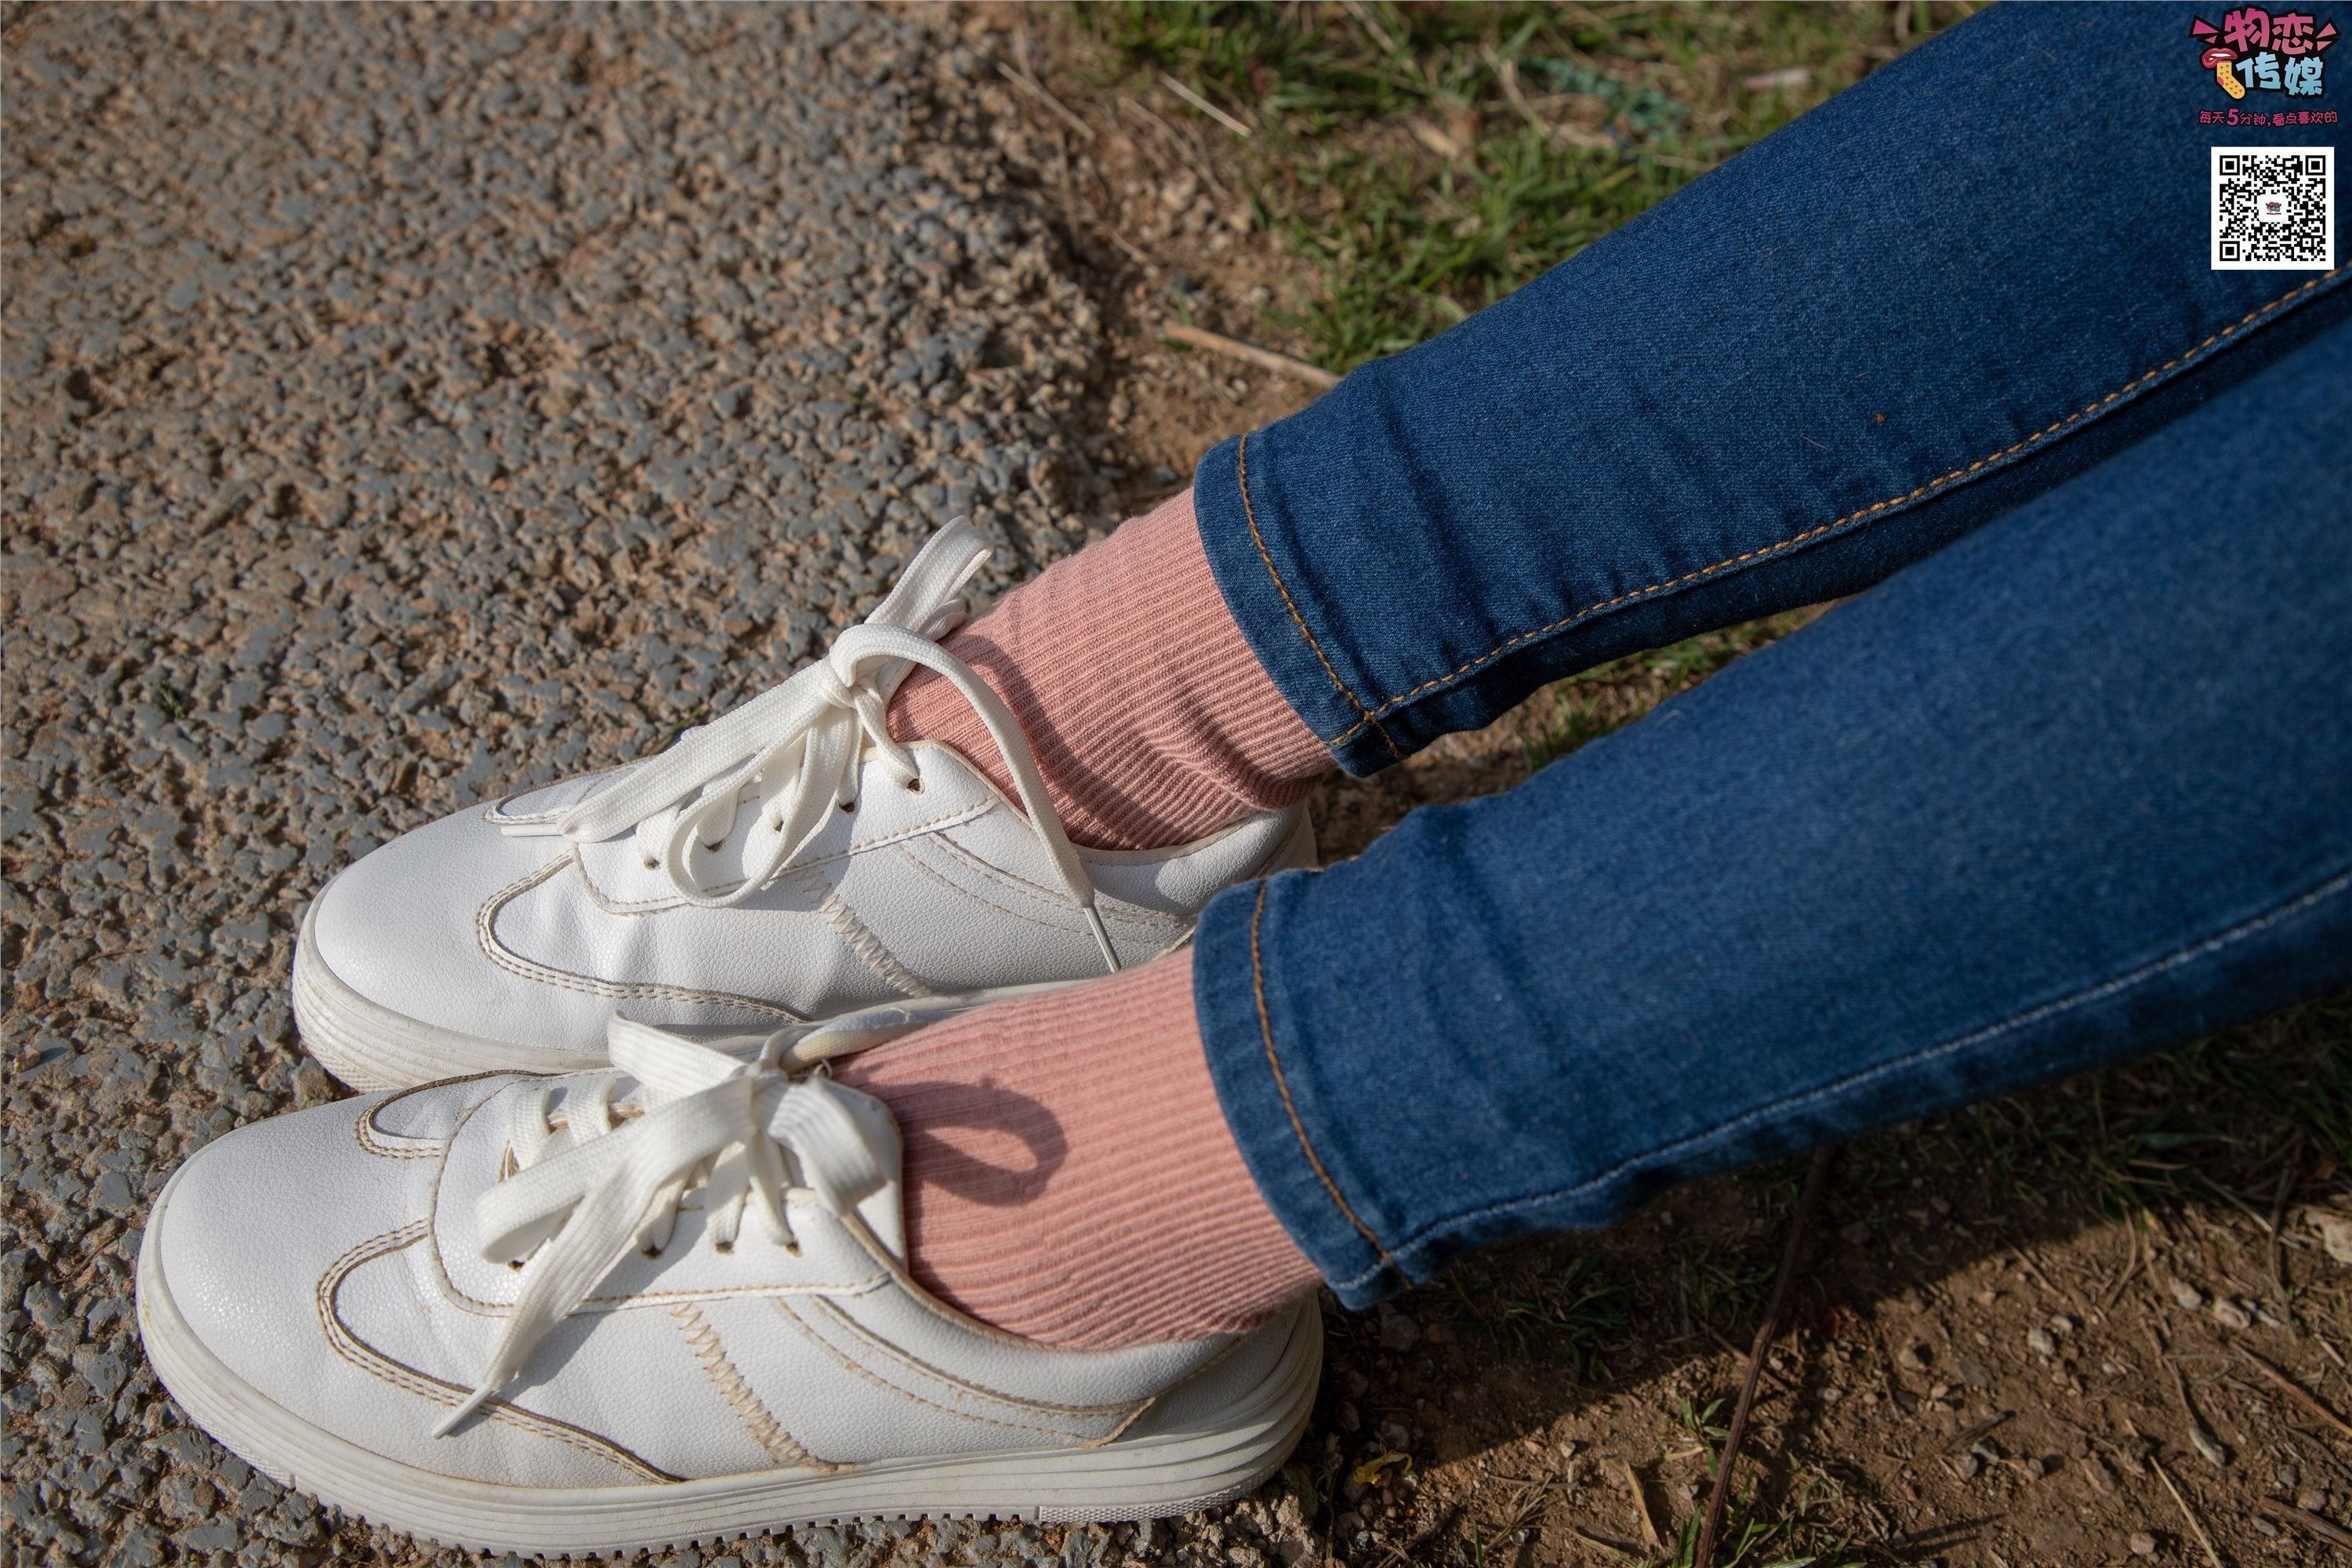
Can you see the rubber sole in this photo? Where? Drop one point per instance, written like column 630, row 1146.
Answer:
column 1147, row 1477
column 371, row 1047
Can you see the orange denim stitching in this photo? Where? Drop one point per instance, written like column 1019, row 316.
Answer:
column 1266, row 1028
column 1249, row 515
column 1372, row 716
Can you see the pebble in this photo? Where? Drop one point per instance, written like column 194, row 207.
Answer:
column 2039, row 1340
column 2231, row 1314
column 2142, row 1543
column 2186, row 1296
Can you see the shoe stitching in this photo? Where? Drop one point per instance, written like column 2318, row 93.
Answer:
column 618, row 906
column 486, row 938
column 702, row 1338
column 1794, row 541
column 370, row 1137
column 2188, row 953
column 1133, row 914
column 1249, row 515
column 861, row 941
column 917, row 1363
column 885, row 1383
column 498, row 816
column 977, row 897
column 1282, row 1084
column 355, row 1351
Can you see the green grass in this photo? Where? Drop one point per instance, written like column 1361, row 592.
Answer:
column 2228, row 1123
column 1542, row 1305
column 1608, row 697
column 1430, row 159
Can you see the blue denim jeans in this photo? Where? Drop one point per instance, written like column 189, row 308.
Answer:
column 2071, row 779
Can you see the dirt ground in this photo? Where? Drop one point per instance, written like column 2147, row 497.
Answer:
column 2105, row 1322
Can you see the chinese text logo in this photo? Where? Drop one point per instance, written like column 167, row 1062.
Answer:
column 2265, row 51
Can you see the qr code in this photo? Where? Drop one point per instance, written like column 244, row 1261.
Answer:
column 2274, row 208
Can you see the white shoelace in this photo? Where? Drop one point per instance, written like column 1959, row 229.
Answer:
column 587, row 1192
column 799, row 745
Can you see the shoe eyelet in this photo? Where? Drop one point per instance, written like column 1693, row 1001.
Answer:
column 651, row 864
column 722, row 1247
column 649, row 1252
column 849, row 806
column 914, row 786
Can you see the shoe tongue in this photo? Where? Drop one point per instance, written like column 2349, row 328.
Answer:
column 847, row 1146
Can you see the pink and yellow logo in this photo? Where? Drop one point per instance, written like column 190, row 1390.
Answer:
column 2263, row 51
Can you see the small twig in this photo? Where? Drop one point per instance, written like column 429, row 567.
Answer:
column 1610, row 1547
column 2307, row 1519
column 1187, row 150
column 1969, row 1434
column 2242, row 1205
column 1204, row 106
column 2044, row 1280
column 2196, row 1525
column 1265, row 359
column 2278, row 1216
column 1774, row 1378
column 2200, row 1437
column 1807, row 1200
column 2299, row 1393
column 1362, row 13
column 2113, row 1293
column 95, row 1243
column 1650, row 1536
column 1507, row 74
column 1037, row 89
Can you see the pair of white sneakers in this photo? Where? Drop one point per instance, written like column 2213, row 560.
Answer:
column 606, row 1259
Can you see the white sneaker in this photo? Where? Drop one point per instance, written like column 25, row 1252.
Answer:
column 786, row 865
column 608, row 1311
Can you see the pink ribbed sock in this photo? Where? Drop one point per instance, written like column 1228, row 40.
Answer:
column 1151, row 721
column 1070, row 1177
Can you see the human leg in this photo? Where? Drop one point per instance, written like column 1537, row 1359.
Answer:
column 1882, row 327
column 2073, row 789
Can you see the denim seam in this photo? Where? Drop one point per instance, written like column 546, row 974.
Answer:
column 1281, row 1087
column 2202, row 948
column 1249, row 515
column 1372, row 716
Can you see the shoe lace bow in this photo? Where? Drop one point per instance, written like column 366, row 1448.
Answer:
column 585, row 1191
column 795, row 751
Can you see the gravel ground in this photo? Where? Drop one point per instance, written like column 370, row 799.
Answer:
column 403, row 403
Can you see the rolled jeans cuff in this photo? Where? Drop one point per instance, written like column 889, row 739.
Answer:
column 1237, row 1001
column 1273, row 593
